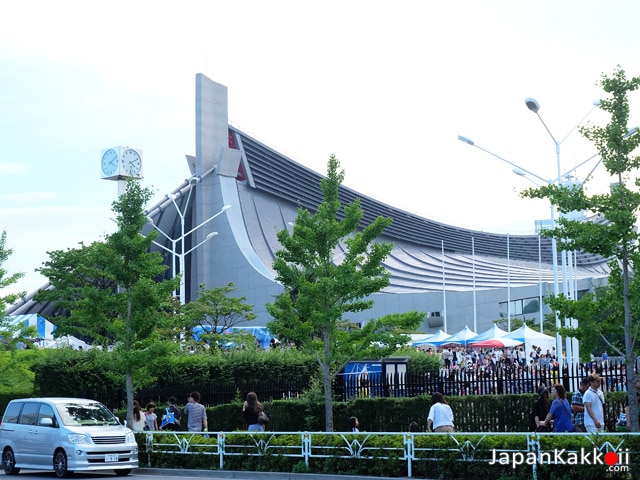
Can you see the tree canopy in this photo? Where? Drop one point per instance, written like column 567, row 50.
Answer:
column 110, row 292
column 217, row 312
column 323, row 284
column 10, row 333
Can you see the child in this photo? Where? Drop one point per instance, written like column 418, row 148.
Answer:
column 354, row 424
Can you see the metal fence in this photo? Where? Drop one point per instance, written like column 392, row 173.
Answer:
column 508, row 379
column 503, row 379
column 409, row 448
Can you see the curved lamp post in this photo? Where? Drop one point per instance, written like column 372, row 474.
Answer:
column 181, row 253
column 533, row 105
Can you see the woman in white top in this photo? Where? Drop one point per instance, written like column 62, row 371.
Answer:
column 138, row 418
column 440, row 417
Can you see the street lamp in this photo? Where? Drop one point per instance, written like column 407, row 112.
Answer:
column 182, row 253
column 534, row 106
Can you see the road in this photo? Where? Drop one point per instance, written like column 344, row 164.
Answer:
column 169, row 474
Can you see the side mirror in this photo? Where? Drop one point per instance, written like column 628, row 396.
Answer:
column 46, row 422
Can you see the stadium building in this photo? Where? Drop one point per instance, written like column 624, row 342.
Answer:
column 225, row 218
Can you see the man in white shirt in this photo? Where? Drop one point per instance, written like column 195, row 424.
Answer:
column 593, row 400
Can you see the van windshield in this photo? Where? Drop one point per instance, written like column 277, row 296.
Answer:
column 85, row 414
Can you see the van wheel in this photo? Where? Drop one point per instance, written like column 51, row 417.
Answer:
column 123, row 472
column 9, row 462
column 60, row 464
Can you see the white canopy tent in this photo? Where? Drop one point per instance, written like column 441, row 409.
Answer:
column 491, row 334
column 462, row 337
column 532, row 338
column 496, row 343
column 522, row 336
column 436, row 337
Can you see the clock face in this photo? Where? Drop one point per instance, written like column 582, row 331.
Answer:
column 131, row 162
column 110, row 162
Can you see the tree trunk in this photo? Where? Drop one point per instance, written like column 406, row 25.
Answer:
column 326, row 376
column 129, row 388
column 629, row 343
column 129, row 374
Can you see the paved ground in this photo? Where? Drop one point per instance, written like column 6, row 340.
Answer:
column 234, row 475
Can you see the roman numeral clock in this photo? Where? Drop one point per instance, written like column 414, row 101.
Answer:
column 121, row 163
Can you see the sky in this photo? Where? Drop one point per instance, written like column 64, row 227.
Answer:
column 385, row 86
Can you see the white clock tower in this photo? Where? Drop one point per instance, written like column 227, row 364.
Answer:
column 121, row 164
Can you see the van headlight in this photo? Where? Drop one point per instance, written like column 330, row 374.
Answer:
column 130, row 437
column 78, row 438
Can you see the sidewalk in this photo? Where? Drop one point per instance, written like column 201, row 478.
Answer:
column 237, row 475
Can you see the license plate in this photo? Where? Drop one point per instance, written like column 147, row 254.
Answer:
column 111, row 458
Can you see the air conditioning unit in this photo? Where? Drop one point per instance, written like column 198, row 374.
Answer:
column 435, row 320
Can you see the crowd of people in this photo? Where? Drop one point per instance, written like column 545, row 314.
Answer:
column 551, row 412
column 473, row 371
column 464, row 371
column 252, row 412
column 585, row 414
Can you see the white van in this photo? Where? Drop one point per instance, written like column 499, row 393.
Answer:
column 65, row 435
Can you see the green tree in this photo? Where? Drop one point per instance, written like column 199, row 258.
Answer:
column 320, row 291
column 10, row 333
column 614, row 236
column 215, row 310
column 110, row 293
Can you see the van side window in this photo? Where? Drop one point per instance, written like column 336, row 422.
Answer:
column 47, row 412
column 12, row 413
column 29, row 413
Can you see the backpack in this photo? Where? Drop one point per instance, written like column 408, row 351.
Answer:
column 169, row 419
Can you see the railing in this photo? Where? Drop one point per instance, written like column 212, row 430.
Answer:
column 503, row 379
column 410, row 448
column 463, row 381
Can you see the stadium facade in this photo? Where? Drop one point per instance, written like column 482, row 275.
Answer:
column 458, row 277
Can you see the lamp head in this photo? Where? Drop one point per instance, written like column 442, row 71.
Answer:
column 466, row 140
column 225, row 208
column 532, row 104
column 194, row 179
column 596, row 103
column 211, row 235
column 519, row 171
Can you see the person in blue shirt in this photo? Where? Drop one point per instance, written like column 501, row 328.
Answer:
column 560, row 411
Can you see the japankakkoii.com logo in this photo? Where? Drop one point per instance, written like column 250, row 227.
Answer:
column 616, row 461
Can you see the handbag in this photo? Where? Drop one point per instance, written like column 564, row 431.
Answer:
column 169, row 420
column 262, row 418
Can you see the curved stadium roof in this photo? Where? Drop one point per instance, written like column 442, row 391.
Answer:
column 271, row 187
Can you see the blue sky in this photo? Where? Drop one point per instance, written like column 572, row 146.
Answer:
column 385, row 86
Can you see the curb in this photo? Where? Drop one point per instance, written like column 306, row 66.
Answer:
column 250, row 475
